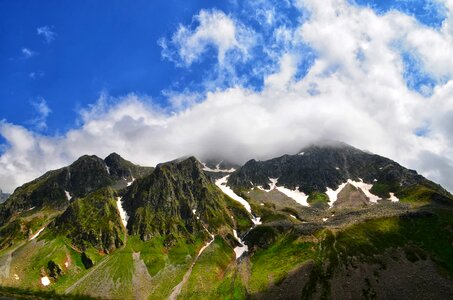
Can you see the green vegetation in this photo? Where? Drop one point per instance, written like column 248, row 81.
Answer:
column 417, row 194
column 209, row 272
column 271, row 265
column 419, row 235
column 318, row 199
column 93, row 221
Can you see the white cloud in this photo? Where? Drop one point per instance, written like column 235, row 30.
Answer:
column 46, row 33
column 27, row 53
column 42, row 111
column 214, row 29
column 355, row 92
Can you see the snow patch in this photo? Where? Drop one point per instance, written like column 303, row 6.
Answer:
column 333, row 194
column 45, row 281
column 293, row 216
column 365, row 187
column 68, row 196
column 217, row 168
column 324, row 219
column 221, row 183
column 239, row 250
column 31, row 208
column 337, row 168
column 273, row 183
column 108, row 169
column 123, row 214
column 37, row 233
column 393, row 198
column 262, row 204
column 194, row 211
column 129, row 183
column 296, row 195
column 301, row 153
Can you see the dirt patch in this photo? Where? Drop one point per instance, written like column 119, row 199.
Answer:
column 141, row 279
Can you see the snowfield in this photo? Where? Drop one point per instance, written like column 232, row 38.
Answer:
column 123, row 214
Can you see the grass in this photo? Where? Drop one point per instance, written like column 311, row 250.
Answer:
column 271, row 265
column 420, row 236
column 208, row 279
column 318, row 199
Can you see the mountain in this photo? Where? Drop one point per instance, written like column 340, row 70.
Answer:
column 177, row 199
column 329, row 222
column 36, row 203
column 315, row 169
column 3, row 196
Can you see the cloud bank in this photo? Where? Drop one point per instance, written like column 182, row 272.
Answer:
column 357, row 89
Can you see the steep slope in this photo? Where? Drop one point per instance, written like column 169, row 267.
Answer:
column 178, row 199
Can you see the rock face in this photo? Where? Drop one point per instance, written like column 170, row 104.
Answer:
column 85, row 175
column 176, row 200
column 92, row 221
column 351, row 197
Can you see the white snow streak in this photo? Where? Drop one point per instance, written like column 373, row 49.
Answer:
column 37, row 233
column 123, row 214
column 334, row 194
column 68, row 196
column 221, row 183
column 239, row 250
column 130, row 182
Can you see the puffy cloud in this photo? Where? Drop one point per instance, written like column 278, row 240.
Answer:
column 46, row 33
column 215, row 29
column 355, row 92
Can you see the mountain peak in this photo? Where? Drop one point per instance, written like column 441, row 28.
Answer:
column 113, row 156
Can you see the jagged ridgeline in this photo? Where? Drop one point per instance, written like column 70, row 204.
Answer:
column 329, row 222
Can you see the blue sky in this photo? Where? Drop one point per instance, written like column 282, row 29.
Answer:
column 68, row 66
column 113, row 47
